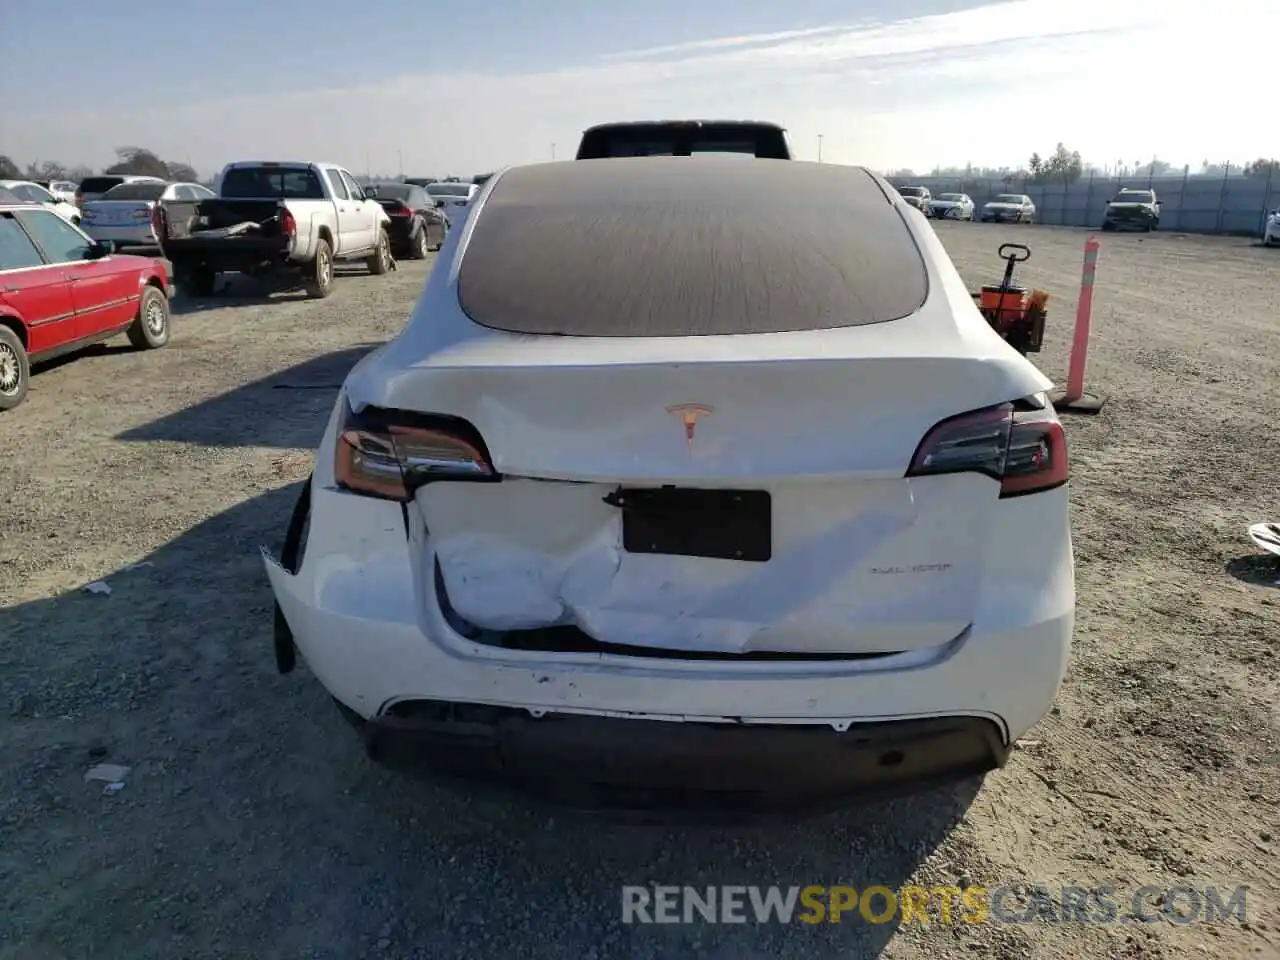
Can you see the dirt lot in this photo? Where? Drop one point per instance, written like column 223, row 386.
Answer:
column 251, row 824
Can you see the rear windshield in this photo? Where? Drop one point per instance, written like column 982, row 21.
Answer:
column 952, row 196
column 144, row 190
column 911, row 191
column 99, row 184
column 683, row 140
column 1008, row 198
column 388, row 191
column 272, row 183
column 449, row 189
column 662, row 247
column 1133, row 196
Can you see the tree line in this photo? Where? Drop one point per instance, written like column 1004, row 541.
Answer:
column 138, row 161
column 1066, row 167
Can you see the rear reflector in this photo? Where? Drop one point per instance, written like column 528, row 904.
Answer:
column 1022, row 446
column 390, row 453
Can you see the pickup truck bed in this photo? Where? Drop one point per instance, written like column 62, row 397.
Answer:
column 229, row 235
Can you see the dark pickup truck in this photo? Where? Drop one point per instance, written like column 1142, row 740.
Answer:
column 684, row 138
column 1132, row 209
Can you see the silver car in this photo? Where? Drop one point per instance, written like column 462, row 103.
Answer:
column 126, row 213
column 452, row 199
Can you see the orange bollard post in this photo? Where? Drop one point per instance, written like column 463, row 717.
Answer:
column 1073, row 399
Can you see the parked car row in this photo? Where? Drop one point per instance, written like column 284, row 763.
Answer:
column 65, row 284
column 131, row 214
column 1006, row 207
column 1132, row 208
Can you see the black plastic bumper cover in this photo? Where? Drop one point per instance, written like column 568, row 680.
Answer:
column 606, row 762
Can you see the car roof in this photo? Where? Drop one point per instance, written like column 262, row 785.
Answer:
column 616, row 124
column 674, row 246
column 290, row 164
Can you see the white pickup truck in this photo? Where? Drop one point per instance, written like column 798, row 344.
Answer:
column 271, row 217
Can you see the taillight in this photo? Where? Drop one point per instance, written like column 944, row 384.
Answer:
column 404, row 210
column 142, row 214
column 157, row 222
column 1021, row 445
column 288, row 225
column 391, row 453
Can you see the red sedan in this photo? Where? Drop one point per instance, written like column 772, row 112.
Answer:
column 60, row 291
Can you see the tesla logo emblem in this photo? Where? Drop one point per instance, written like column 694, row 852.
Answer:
column 690, row 414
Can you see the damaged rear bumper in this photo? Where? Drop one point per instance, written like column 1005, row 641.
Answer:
column 375, row 637
column 630, row 764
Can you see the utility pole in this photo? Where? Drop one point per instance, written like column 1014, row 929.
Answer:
column 400, row 157
column 553, row 151
column 819, row 148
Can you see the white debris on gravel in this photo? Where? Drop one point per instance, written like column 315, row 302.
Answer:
column 99, row 586
column 111, row 773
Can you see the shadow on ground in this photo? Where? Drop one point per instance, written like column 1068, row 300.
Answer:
column 240, row 290
column 1258, row 569
column 95, row 350
column 286, row 410
column 252, row 824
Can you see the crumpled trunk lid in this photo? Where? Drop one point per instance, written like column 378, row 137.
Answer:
column 860, row 559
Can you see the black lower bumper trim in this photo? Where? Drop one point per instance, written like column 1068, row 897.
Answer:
column 601, row 762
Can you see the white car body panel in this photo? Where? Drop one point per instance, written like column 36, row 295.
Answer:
column 30, row 192
column 64, row 190
column 963, row 602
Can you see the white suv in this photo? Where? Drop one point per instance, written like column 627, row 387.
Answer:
column 618, row 508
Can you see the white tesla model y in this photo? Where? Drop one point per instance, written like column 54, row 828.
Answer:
column 689, row 478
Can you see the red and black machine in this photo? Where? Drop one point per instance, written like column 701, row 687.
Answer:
column 1014, row 312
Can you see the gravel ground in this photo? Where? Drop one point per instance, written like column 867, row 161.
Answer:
column 250, row 823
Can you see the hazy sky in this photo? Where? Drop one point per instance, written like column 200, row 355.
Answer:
column 463, row 87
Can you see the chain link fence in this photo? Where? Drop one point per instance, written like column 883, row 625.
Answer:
column 1228, row 204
